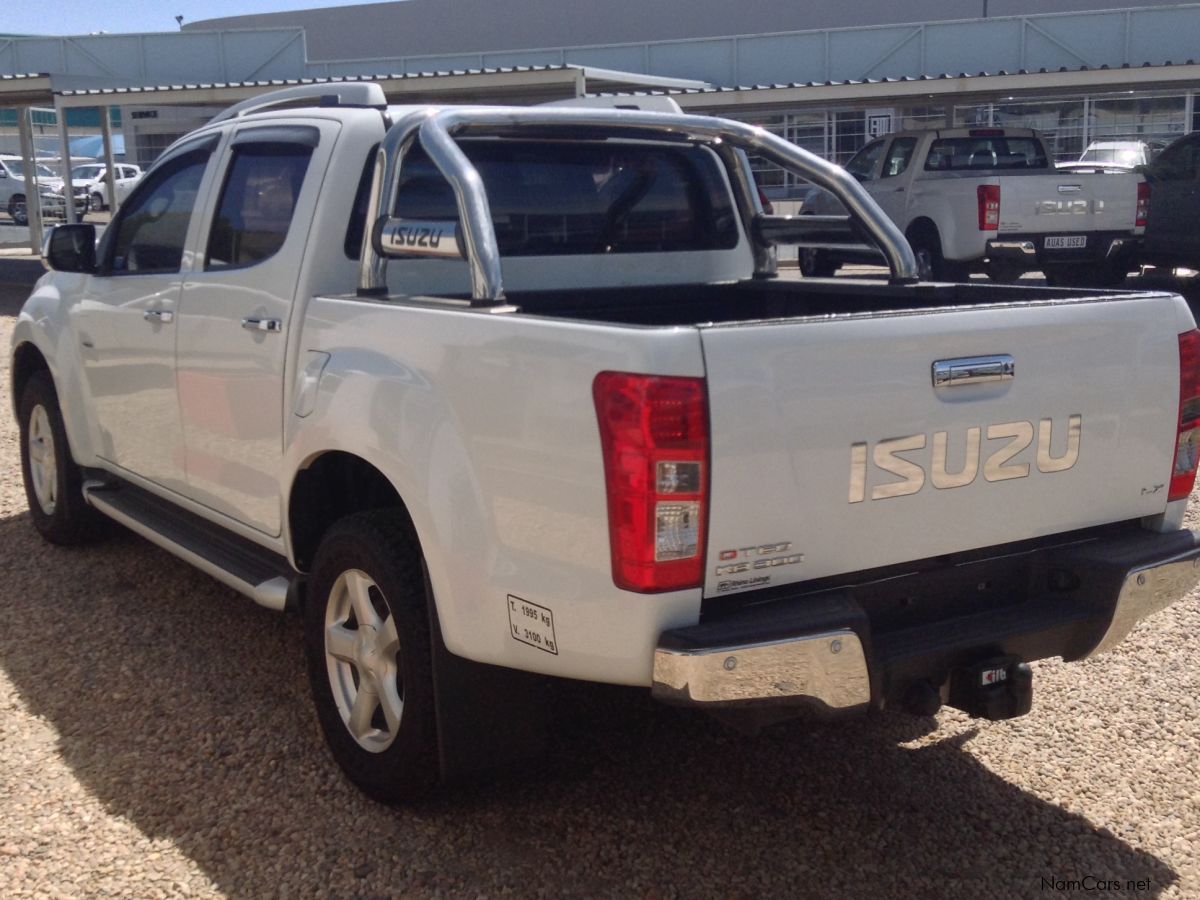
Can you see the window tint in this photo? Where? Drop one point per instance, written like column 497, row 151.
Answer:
column 150, row 232
column 256, row 204
column 1176, row 163
column 358, row 213
column 949, row 154
column 551, row 198
column 128, row 172
column 862, row 163
column 899, row 156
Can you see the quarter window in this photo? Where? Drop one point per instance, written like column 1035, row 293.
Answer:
column 257, row 202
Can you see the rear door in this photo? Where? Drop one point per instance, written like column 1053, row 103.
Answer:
column 890, row 190
column 235, row 314
column 834, row 451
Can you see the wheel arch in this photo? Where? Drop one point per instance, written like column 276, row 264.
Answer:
column 922, row 226
column 330, row 486
column 27, row 361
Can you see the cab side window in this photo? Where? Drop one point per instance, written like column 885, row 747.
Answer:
column 862, row 164
column 256, row 205
column 1176, row 163
column 149, row 235
column 899, row 156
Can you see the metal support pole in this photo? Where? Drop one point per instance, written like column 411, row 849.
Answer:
column 64, row 153
column 33, row 196
column 110, row 165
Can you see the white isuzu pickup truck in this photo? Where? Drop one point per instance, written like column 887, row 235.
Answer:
column 992, row 200
column 490, row 394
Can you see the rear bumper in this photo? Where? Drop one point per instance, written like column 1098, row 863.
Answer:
column 1030, row 250
column 849, row 649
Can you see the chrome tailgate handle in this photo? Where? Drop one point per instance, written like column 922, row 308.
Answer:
column 973, row 370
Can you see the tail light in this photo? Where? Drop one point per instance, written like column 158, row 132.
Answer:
column 1187, row 438
column 989, row 207
column 654, row 434
column 1143, row 205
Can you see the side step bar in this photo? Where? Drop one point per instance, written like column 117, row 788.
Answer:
column 254, row 571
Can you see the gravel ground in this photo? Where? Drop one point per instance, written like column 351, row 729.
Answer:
column 156, row 740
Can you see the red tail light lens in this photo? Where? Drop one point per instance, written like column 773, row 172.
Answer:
column 1187, row 439
column 654, row 434
column 989, row 207
column 1143, row 205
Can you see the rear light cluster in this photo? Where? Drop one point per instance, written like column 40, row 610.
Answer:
column 1143, row 205
column 654, row 434
column 1187, row 438
column 989, row 207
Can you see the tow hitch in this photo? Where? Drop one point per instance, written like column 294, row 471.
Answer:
column 996, row 688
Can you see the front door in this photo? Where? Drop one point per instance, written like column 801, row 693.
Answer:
column 235, row 312
column 127, row 321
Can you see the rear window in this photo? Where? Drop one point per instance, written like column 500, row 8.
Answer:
column 952, row 154
column 551, row 198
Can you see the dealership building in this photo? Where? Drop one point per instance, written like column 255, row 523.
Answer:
column 826, row 78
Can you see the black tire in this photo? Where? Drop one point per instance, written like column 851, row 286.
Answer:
column 390, row 764
column 816, row 263
column 931, row 265
column 60, row 514
column 17, row 210
column 97, row 201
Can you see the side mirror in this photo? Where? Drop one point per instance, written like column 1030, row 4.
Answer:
column 3, row 174
column 70, row 248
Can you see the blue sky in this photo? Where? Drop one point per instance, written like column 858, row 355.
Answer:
column 86, row 16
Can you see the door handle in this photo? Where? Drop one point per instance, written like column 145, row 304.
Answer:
column 251, row 323
column 973, row 370
column 162, row 316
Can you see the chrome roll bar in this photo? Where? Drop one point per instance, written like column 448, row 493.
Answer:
column 437, row 128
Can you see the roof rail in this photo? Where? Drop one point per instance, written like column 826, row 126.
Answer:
column 357, row 93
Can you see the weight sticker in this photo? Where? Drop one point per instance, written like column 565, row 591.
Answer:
column 532, row 624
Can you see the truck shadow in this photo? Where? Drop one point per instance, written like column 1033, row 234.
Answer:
column 183, row 708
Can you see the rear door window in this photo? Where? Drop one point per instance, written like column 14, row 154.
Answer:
column 257, row 200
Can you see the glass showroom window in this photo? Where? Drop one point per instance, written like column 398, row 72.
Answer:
column 1130, row 118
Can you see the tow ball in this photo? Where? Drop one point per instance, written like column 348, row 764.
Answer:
column 996, row 688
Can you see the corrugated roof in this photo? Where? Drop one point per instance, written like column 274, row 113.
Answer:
column 916, row 79
column 331, row 79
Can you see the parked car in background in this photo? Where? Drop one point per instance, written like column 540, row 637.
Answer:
column 1172, row 238
column 1114, row 156
column 13, row 190
column 991, row 200
column 88, row 182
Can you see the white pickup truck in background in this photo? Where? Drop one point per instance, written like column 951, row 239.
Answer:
column 495, row 393
column 991, row 200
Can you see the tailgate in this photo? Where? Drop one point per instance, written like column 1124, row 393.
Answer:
column 833, row 451
column 1068, row 202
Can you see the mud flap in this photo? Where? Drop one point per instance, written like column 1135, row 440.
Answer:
column 488, row 717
